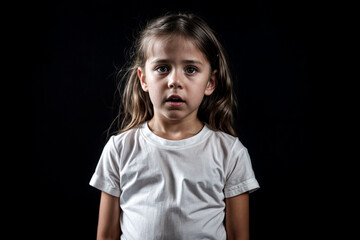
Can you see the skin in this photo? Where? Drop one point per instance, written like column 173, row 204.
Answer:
column 237, row 217
column 109, row 218
column 175, row 66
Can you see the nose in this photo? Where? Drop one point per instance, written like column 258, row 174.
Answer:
column 175, row 80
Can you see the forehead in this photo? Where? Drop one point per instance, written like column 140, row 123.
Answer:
column 174, row 47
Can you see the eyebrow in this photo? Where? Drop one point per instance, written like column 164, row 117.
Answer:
column 162, row 60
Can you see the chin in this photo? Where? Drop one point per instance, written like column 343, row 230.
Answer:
column 174, row 117
column 178, row 115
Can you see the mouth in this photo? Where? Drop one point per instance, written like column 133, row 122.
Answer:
column 174, row 101
column 174, row 98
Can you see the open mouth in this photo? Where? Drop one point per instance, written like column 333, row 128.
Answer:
column 175, row 101
column 175, row 98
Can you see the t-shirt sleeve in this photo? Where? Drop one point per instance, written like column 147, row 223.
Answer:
column 240, row 176
column 107, row 174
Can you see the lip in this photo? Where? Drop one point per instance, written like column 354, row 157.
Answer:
column 174, row 100
column 174, row 96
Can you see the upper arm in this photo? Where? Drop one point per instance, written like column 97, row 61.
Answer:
column 109, row 217
column 237, row 217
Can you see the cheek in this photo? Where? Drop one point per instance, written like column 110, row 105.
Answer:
column 155, row 91
column 152, row 84
column 197, row 94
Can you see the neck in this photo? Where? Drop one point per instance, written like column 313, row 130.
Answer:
column 175, row 129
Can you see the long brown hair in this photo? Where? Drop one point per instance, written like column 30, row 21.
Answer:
column 216, row 110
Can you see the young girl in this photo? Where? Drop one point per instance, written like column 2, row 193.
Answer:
column 175, row 170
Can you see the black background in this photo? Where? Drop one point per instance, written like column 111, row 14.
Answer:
column 76, row 48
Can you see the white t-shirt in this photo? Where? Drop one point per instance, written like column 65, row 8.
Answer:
column 173, row 189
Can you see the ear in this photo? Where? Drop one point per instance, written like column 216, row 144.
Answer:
column 211, row 84
column 141, row 75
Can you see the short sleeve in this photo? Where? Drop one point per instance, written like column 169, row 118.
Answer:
column 107, row 175
column 240, row 176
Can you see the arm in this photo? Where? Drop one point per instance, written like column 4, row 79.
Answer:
column 109, row 218
column 237, row 217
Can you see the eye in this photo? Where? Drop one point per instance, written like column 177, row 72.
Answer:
column 162, row 69
column 191, row 70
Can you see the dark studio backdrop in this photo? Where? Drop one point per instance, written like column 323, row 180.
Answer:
column 79, row 45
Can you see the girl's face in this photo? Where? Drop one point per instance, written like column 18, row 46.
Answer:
column 177, row 76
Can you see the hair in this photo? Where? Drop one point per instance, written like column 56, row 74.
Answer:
column 216, row 109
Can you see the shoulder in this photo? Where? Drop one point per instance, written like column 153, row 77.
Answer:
column 120, row 146
column 125, row 135
column 226, row 140
column 122, row 139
